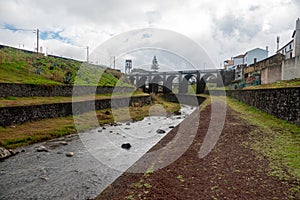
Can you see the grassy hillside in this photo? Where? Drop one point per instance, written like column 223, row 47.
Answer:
column 17, row 66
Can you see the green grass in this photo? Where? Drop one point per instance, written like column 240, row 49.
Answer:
column 273, row 138
column 279, row 84
column 17, row 66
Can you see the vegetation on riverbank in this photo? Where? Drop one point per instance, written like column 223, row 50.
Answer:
column 18, row 66
column 26, row 101
column 275, row 139
column 279, row 84
column 32, row 132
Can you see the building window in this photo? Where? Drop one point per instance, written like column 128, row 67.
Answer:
column 291, row 54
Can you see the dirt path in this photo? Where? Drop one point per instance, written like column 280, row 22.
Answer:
column 231, row 171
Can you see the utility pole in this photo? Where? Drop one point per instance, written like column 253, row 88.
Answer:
column 37, row 41
column 278, row 39
column 114, row 62
column 87, row 54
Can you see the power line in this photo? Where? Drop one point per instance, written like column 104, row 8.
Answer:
column 37, row 31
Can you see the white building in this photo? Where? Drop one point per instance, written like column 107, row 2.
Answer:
column 287, row 50
column 257, row 54
column 291, row 51
column 292, row 48
column 238, row 64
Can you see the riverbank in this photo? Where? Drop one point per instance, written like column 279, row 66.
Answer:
column 256, row 157
column 32, row 132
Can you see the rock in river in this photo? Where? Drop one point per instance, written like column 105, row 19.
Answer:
column 70, row 154
column 160, row 131
column 126, row 146
column 13, row 152
column 63, row 143
column 42, row 149
column 177, row 113
column 4, row 153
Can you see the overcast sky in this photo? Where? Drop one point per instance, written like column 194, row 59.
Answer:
column 222, row 28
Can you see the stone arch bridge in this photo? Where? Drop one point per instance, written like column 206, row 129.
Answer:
column 151, row 81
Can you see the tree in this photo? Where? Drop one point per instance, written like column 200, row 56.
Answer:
column 155, row 64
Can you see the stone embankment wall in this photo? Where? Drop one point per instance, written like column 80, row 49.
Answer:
column 21, row 114
column 283, row 103
column 28, row 90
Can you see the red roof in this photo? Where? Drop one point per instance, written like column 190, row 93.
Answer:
column 240, row 56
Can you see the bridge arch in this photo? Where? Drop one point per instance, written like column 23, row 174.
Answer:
column 183, row 88
column 201, row 84
column 206, row 76
column 154, row 79
column 168, row 85
column 131, row 80
column 141, row 83
column 154, row 83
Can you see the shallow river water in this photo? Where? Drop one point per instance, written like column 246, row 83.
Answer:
column 98, row 160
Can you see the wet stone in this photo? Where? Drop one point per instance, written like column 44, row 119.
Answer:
column 63, row 143
column 126, row 146
column 13, row 152
column 42, row 149
column 177, row 113
column 160, row 131
column 70, row 154
column 4, row 153
column 44, row 178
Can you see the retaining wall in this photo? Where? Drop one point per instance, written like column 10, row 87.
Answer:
column 21, row 114
column 28, row 90
column 283, row 103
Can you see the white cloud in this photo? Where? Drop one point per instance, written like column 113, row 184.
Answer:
column 223, row 28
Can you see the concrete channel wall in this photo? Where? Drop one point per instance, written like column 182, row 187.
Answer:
column 30, row 90
column 21, row 114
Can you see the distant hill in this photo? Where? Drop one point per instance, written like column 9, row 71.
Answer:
column 21, row 66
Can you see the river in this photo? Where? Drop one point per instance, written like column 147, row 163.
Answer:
column 98, row 160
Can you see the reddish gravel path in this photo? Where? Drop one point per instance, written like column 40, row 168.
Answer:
column 231, row 171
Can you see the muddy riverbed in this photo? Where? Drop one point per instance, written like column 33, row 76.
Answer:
column 97, row 160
